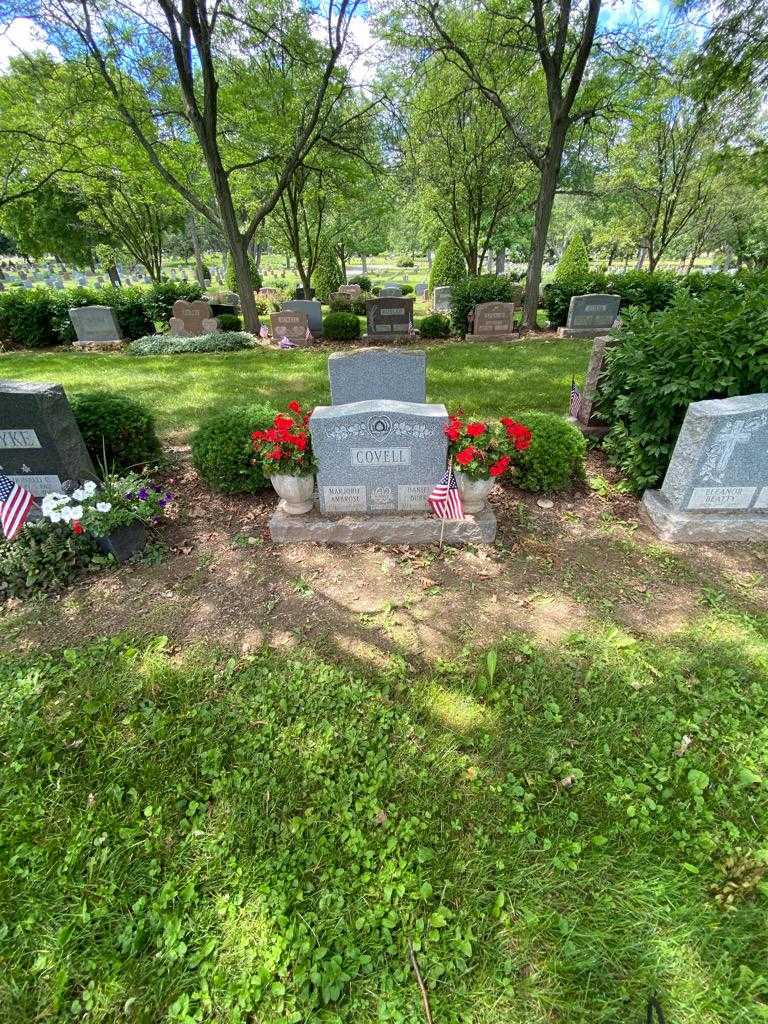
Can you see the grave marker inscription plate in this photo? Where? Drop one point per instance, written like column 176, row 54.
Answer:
column 493, row 320
column 290, row 325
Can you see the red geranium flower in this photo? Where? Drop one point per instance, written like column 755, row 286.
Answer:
column 276, row 453
column 476, row 429
column 283, row 422
column 518, row 433
column 498, row 467
column 77, row 527
column 294, row 406
column 258, row 435
column 452, row 432
column 465, row 456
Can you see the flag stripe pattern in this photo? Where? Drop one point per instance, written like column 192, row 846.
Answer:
column 575, row 406
column 15, row 503
column 445, row 499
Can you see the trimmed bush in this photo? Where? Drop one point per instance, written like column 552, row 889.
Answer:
column 435, row 326
column 407, row 262
column 358, row 303
column 26, row 317
column 406, row 289
column 327, row 277
column 171, row 345
column 222, row 451
column 558, row 294
column 714, row 346
column 233, row 322
column 44, row 557
column 230, row 281
column 555, row 459
column 342, row 304
column 341, row 327
column 574, row 263
column 697, row 283
column 467, row 294
column 448, row 267
column 117, row 427
column 363, row 280
column 653, row 291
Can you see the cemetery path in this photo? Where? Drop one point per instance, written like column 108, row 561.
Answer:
column 587, row 558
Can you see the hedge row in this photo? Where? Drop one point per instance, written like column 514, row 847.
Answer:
column 39, row 317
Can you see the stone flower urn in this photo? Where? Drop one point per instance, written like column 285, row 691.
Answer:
column 473, row 492
column 296, row 492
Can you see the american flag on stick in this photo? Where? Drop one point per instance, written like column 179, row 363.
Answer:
column 308, row 336
column 15, row 503
column 445, row 499
column 575, row 406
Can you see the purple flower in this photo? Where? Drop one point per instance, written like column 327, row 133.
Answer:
column 169, row 496
column 129, row 495
column 162, row 503
column 143, row 494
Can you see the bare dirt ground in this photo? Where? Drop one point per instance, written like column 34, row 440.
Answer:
column 214, row 576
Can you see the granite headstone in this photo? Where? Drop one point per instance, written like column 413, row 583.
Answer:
column 391, row 290
column 590, row 315
column 584, row 419
column 378, row 456
column 493, row 320
column 389, row 318
column 291, row 325
column 191, row 319
column 41, row 447
column 313, row 310
column 716, row 485
column 370, row 373
column 441, row 300
column 96, row 327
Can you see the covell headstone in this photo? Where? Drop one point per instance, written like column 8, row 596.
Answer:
column 590, row 315
column 716, row 486
column 41, row 447
column 370, row 373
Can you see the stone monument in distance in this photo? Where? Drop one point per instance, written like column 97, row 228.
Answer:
column 96, row 328
column 589, row 316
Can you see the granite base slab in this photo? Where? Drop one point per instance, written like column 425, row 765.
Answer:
column 393, row 528
column 98, row 346
column 492, row 337
column 581, row 332
column 387, row 339
column 682, row 527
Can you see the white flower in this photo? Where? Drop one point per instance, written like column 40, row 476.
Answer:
column 79, row 494
column 89, row 487
column 55, row 517
column 53, row 501
column 76, row 512
column 103, row 506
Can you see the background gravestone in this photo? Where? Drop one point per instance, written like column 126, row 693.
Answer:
column 441, row 300
column 716, row 485
column 191, row 319
column 389, row 318
column 290, row 325
column 41, row 446
column 314, row 311
column 378, row 456
column 370, row 373
column 391, row 290
column 350, row 289
column 96, row 327
column 493, row 321
column 421, row 289
column 590, row 315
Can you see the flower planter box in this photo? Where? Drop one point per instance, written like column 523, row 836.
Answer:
column 124, row 541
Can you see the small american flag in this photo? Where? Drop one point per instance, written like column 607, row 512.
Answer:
column 15, row 503
column 308, row 335
column 575, row 406
column 445, row 499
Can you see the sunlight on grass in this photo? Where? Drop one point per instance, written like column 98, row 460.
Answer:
column 458, row 711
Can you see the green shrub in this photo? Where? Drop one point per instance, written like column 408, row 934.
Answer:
column 651, row 290
column 116, row 426
column 129, row 305
column 44, row 557
column 170, row 344
column 222, row 451
column 468, row 293
column 26, row 317
column 358, row 306
column 435, row 326
column 327, row 276
column 407, row 262
column 448, row 267
column 233, row 322
column 555, row 459
column 363, row 280
column 342, row 304
column 714, row 346
column 574, row 263
column 557, row 295
column 341, row 327
column 230, row 281
column 406, row 289
column 159, row 300
column 375, row 291
column 697, row 283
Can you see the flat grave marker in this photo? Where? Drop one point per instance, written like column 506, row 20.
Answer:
column 96, row 328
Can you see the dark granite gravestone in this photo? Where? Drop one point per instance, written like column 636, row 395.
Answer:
column 290, row 325
column 716, row 485
column 370, row 373
column 389, row 319
column 96, row 327
column 313, row 311
column 590, row 315
column 493, row 321
column 420, row 290
column 41, row 447
column 585, row 420
column 378, row 456
column 191, row 319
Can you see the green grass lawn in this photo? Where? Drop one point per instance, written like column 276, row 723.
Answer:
column 199, row 838
column 485, row 379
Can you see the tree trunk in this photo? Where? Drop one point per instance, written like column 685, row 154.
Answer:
column 652, row 261
column 239, row 251
column 257, row 257
column 287, row 261
column 363, row 263
column 306, row 280
column 611, row 256
column 501, row 262
column 343, row 262
column 114, row 276
column 640, row 257
column 544, row 203
column 193, row 236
